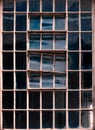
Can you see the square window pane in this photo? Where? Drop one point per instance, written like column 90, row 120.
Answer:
column 47, row 22
column 47, row 5
column 34, row 5
column 35, row 22
column 73, row 5
column 21, row 5
column 86, row 5
column 8, row 5
column 60, row 5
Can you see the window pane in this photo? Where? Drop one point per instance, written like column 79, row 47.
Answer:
column 60, row 119
column 47, row 100
column 73, row 5
column 47, row 41
column 21, row 80
column 60, row 96
column 60, row 5
column 8, row 5
column 34, row 120
column 86, row 5
column 47, row 5
column 47, row 22
column 34, row 22
column 73, row 41
column 20, row 22
column 8, row 21
column 34, row 42
column 7, row 41
column 34, row 100
column 21, row 5
column 60, row 41
column 73, row 22
column 86, row 80
column 34, row 5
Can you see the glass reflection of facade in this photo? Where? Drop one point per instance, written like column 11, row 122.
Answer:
column 47, row 64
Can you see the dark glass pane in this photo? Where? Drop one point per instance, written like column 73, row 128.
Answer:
column 21, row 5
column 47, row 100
column 34, row 5
column 21, row 80
column 8, row 80
column 20, row 41
column 47, row 119
column 73, row 41
column 34, row 120
column 86, row 80
column 21, row 101
column 8, row 119
column 34, row 22
column 86, row 22
column 47, row 5
column 73, row 80
column 74, row 119
column 34, row 100
column 73, row 97
column 86, row 5
column 8, row 100
column 86, row 41
column 20, row 61
column 60, row 5
column 20, row 22
column 60, row 99
column 7, row 41
column 73, row 22
column 86, row 99
column 20, row 119
column 8, row 21
column 73, row 5
column 86, row 59
column 7, row 60
column 60, row 119
column 8, row 5
column 47, row 22
column 34, row 42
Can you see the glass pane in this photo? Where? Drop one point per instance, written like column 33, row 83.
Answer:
column 8, row 60
column 20, row 41
column 60, row 119
column 60, row 5
column 60, row 22
column 74, row 119
column 47, row 100
column 86, row 59
column 34, row 119
column 34, row 5
column 34, row 22
column 60, row 63
column 20, row 22
column 73, row 41
column 86, row 41
column 34, row 80
column 60, row 80
column 47, row 22
column 34, row 41
column 47, row 5
column 86, row 5
column 34, row 100
column 47, row 41
column 60, row 96
column 21, row 100
column 73, row 80
column 21, row 5
column 86, row 22
column 60, row 41
column 8, row 22
column 8, row 5
column 20, row 61
column 35, row 61
column 8, row 80
column 73, row 5
column 7, row 100
column 47, row 80
column 73, row 97
column 47, row 119
column 86, row 80
column 20, row 80
column 20, row 119
column 7, row 41
column 86, row 99
column 73, row 22
column 73, row 60
column 47, row 62
column 8, row 119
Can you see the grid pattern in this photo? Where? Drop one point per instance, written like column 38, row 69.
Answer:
column 47, row 64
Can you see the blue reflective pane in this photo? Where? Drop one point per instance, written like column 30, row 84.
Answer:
column 60, row 80
column 73, row 5
column 60, row 5
column 47, row 22
column 21, row 5
column 47, row 5
column 34, row 22
column 86, row 5
column 8, row 5
column 34, row 5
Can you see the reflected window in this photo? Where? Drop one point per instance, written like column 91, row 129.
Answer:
column 86, row 5
column 21, row 5
column 47, row 5
column 73, row 5
column 34, row 22
column 34, row 5
column 47, row 22
column 8, row 5
column 60, row 5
